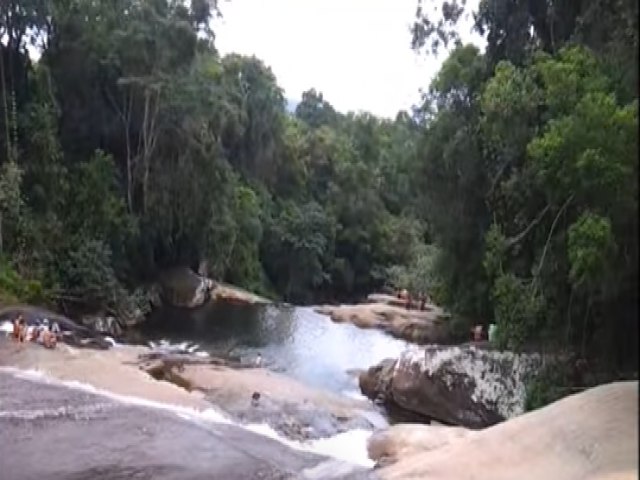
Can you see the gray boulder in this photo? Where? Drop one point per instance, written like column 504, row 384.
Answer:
column 459, row 385
column 181, row 287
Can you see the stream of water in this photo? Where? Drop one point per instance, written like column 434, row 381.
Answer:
column 293, row 340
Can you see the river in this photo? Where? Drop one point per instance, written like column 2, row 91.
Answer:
column 293, row 340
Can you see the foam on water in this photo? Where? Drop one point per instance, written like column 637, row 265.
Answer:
column 350, row 446
column 181, row 347
column 356, row 395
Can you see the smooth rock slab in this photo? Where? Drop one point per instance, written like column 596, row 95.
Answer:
column 54, row 432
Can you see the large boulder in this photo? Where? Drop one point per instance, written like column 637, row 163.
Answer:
column 181, row 287
column 375, row 383
column 460, row 385
column 403, row 440
column 107, row 325
column 592, row 435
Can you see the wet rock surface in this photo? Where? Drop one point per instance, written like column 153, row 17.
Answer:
column 71, row 434
column 295, row 410
column 296, row 421
column 463, row 386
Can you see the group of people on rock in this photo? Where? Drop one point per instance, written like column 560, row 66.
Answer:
column 423, row 299
column 42, row 333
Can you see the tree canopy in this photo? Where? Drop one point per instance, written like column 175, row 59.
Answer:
column 131, row 146
column 529, row 171
column 509, row 193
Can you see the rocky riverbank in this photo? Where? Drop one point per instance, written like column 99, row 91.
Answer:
column 417, row 326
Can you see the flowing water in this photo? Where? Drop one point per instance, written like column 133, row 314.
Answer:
column 293, row 340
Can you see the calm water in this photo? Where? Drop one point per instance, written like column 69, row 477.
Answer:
column 294, row 340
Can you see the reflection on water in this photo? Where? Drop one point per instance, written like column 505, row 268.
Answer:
column 294, row 340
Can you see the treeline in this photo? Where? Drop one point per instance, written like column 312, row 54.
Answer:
column 529, row 172
column 131, row 146
column 510, row 194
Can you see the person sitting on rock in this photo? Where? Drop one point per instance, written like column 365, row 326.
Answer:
column 55, row 329
column 46, row 337
column 49, row 340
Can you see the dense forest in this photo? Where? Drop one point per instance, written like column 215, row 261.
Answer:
column 509, row 193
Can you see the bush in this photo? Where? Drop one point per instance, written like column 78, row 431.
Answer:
column 552, row 383
column 16, row 289
column 88, row 277
column 517, row 311
column 420, row 275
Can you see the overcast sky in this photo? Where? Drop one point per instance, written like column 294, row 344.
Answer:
column 356, row 52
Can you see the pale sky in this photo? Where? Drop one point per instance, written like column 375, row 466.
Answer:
column 356, row 52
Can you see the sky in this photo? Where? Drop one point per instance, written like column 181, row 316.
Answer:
column 356, row 52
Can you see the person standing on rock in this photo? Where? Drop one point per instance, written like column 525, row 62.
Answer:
column 22, row 330
column 16, row 328
column 476, row 333
column 492, row 333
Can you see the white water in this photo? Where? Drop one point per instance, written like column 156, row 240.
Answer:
column 350, row 446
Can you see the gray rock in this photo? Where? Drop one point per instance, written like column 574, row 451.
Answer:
column 181, row 287
column 107, row 440
column 106, row 325
column 456, row 385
